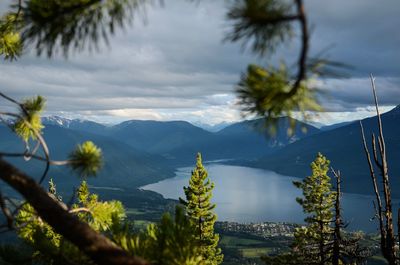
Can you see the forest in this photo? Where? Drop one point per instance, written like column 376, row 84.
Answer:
column 43, row 222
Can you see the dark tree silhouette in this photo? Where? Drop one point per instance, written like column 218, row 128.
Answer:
column 383, row 208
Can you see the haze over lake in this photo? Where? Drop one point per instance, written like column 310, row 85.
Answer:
column 244, row 194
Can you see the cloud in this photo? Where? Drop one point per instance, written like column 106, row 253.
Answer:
column 211, row 114
column 364, row 34
column 351, row 94
column 329, row 117
column 176, row 66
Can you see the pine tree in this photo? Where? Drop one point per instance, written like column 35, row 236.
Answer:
column 49, row 247
column 200, row 211
column 168, row 242
column 320, row 242
column 318, row 201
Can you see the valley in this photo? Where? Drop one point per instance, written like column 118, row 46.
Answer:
column 149, row 153
column 144, row 152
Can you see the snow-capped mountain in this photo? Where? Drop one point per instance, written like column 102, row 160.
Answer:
column 57, row 120
column 75, row 124
column 213, row 128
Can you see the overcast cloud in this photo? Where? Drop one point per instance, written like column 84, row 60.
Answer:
column 175, row 66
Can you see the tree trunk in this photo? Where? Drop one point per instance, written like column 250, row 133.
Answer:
column 96, row 246
column 338, row 222
column 321, row 244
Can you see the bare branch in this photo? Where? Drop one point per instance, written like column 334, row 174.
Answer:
column 377, row 162
column 384, row 168
column 20, row 105
column 37, row 157
column 374, row 183
column 383, row 150
column 10, row 99
column 19, row 11
column 79, row 210
column 6, row 212
column 388, row 244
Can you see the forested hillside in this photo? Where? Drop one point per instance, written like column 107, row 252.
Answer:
column 344, row 148
column 122, row 166
column 177, row 141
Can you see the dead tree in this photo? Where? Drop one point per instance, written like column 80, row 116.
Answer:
column 383, row 208
column 346, row 248
column 337, row 236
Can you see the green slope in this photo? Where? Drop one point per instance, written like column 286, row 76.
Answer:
column 123, row 165
column 343, row 146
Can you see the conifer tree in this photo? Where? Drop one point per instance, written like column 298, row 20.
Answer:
column 168, row 242
column 320, row 242
column 48, row 246
column 200, row 211
column 318, row 201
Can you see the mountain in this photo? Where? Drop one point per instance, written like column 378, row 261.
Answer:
column 343, row 147
column 257, row 130
column 57, row 120
column 179, row 141
column 251, row 139
column 75, row 124
column 157, row 136
column 213, row 128
column 124, row 166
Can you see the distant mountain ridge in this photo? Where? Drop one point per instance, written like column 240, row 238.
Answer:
column 179, row 141
column 213, row 128
column 74, row 124
column 154, row 148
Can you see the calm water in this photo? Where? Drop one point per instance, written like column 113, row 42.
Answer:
column 246, row 194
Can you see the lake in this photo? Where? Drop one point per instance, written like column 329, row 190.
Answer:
column 244, row 194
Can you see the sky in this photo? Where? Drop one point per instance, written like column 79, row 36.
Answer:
column 173, row 64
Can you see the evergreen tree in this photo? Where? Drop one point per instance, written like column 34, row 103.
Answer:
column 168, row 242
column 321, row 242
column 318, row 201
column 200, row 211
column 48, row 246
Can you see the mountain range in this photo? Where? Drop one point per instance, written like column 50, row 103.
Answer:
column 179, row 141
column 140, row 152
column 137, row 153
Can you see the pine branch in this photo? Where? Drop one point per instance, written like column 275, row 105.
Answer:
column 100, row 249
